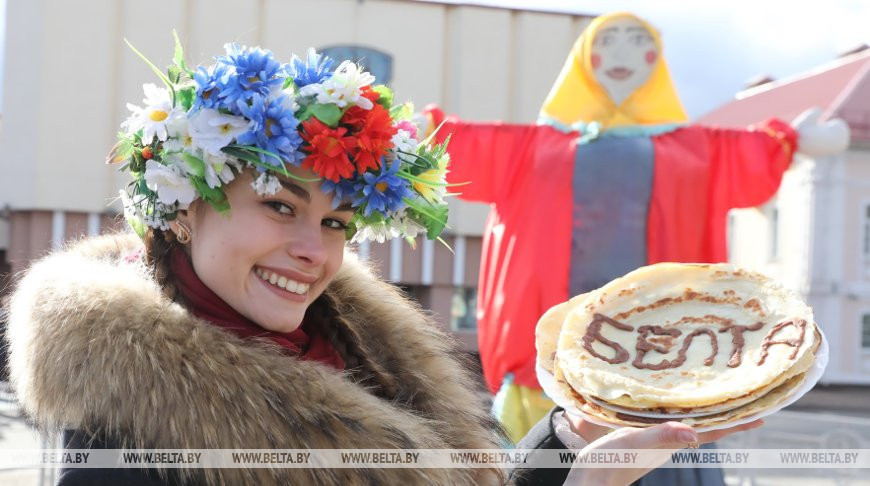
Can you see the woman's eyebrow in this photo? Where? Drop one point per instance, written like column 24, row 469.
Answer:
column 345, row 206
column 296, row 189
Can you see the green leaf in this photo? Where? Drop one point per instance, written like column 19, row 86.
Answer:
column 174, row 73
column 446, row 245
column 328, row 113
column 136, row 224
column 244, row 153
column 195, row 164
column 156, row 70
column 386, row 95
column 405, row 111
column 212, row 195
column 186, row 97
column 122, row 151
column 433, row 218
column 288, row 82
column 305, row 113
column 178, row 59
column 351, row 228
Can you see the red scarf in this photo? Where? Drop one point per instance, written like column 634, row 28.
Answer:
column 306, row 343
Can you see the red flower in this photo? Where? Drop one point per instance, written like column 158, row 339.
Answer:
column 374, row 130
column 328, row 150
column 356, row 116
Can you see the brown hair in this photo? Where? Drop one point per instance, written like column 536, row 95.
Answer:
column 358, row 360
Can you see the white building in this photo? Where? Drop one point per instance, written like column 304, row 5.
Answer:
column 815, row 234
column 68, row 76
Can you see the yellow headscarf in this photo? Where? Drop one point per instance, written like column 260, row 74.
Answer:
column 578, row 97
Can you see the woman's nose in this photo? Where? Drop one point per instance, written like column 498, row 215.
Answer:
column 307, row 245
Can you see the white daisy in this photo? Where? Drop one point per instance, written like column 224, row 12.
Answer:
column 218, row 169
column 266, row 184
column 404, row 226
column 155, row 117
column 379, row 232
column 405, row 143
column 170, row 184
column 211, row 130
column 179, row 136
column 343, row 88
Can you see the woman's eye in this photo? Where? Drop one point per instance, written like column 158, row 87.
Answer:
column 335, row 224
column 281, row 208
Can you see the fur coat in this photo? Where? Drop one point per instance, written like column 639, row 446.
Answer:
column 95, row 346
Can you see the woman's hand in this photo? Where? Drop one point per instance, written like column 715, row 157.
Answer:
column 660, row 442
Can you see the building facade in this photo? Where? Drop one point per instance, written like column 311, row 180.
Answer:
column 814, row 236
column 68, row 77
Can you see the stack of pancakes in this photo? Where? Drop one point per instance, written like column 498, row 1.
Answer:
column 705, row 345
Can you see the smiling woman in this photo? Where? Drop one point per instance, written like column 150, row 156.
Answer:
column 299, row 246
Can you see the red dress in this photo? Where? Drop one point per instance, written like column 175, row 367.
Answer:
column 525, row 172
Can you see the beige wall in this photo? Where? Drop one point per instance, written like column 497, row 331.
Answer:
column 69, row 75
column 857, row 198
column 821, row 208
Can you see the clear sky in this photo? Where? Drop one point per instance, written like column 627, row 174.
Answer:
column 714, row 46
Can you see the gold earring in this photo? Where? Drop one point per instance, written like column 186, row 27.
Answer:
column 184, row 233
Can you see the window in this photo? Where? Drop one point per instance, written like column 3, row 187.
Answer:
column 463, row 311
column 380, row 64
column 865, row 332
column 418, row 293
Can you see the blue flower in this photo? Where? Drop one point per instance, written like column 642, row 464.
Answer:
column 312, row 71
column 256, row 73
column 273, row 128
column 382, row 192
column 209, row 84
column 343, row 190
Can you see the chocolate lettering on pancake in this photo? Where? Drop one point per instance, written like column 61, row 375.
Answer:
column 738, row 341
column 681, row 354
column 593, row 333
column 644, row 345
column 768, row 341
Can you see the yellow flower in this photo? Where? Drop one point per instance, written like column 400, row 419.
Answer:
column 432, row 183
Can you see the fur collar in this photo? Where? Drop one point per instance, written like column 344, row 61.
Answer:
column 96, row 346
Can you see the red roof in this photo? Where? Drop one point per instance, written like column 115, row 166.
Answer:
column 841, row 89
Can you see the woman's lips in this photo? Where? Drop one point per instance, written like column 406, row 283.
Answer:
column 288, row 290
column 619, row 73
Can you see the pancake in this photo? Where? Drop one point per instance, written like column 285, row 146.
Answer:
column 771, row 399
column 801, row 366
column 685, row 337
column 721, row 419
column 548, row 329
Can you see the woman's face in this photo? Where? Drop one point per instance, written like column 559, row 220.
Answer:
column 272, row 256
column 623, row 55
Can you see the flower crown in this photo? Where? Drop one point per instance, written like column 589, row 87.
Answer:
column 249, row 111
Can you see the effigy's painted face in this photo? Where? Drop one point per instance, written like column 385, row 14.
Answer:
column 272, row 256
column 623, row 55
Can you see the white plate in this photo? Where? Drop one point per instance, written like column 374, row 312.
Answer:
column 548, row 384
column 617, row 408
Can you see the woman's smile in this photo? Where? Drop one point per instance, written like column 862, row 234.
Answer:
column 295, row 283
